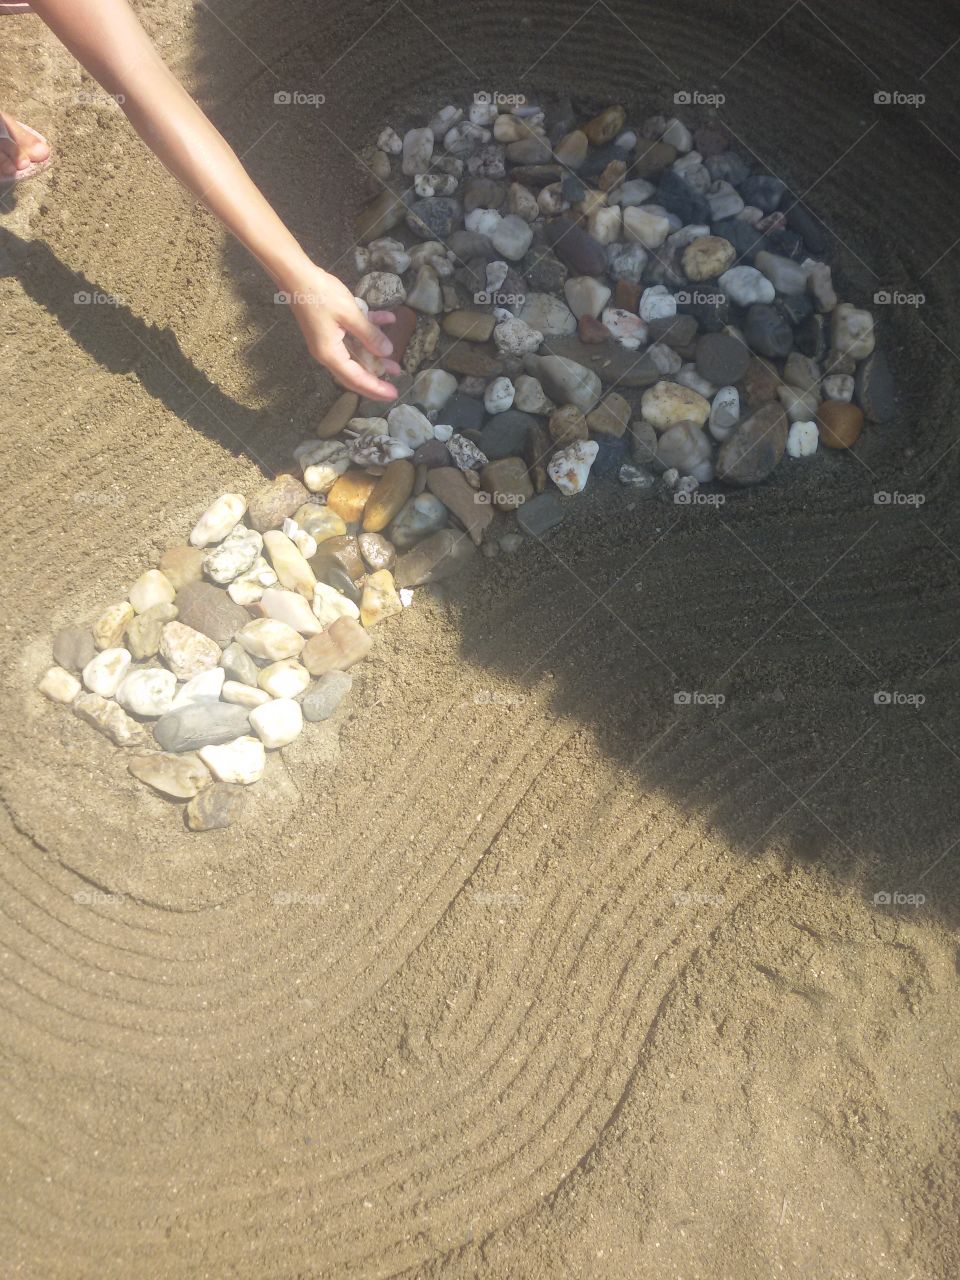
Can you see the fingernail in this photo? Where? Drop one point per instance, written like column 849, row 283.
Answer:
column 386, row 347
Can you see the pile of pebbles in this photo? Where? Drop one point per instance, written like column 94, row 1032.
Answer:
column 571, row 299
column 220, row 654
column 578, row 297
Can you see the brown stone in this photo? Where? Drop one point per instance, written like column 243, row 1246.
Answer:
column 477, row 362
column 392, row 490
column 590, row 329
column 611, row 416
column 652, row 157
column 440, row 556
column 567, row 425
column 451, row 487
column 507, row 483
column 612, row 175
column 73, row 648
column 401, row 331
column 759, row 384
column 272, row 505
column 755, row 448
column 349, row 495
column 840, row 424
column 337, row 649
column 219, row 805
column 343, row 551
column 605, row 127
column 179, row 776
column 380, row 216
column 474, row 326
column 210, row 610
column 339, row 414
column 182, row 565
column 626, row 295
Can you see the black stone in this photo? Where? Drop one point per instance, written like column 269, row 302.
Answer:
column 710, row 316
column 801, row 220
column 873, row 388
column 505, row 434
column 812, row 337
column 728, row 166
column 435, row 217
column 572, row 188
column 795, row 307
column 599, row 157
column 677, row 196
column 767, row 330
column 787, row 243
column 721, row 359
column 747, row 240
column 611, row 456
column 763, row 191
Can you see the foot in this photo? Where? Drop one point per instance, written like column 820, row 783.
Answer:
column 22, row 149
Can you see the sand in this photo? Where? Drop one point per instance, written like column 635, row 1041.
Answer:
column 519, row 968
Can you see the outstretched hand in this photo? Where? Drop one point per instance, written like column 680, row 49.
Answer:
column 327, row 314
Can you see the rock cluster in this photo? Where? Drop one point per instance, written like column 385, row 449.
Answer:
column 221, row 653
column 580, row 297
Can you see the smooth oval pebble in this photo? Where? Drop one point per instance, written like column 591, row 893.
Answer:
column 188, row 728
column 104, row 673
column 390, row 493
column 284, row 679
column 755, row 448
column 349, row 495
column 244, row 695
column 271, row 505
column 218, row 519
column 59, row 685
column 277, row 723
column 151, row 588
column 840, row 424
column 342, row 644
column 268, row 638
column 147, row 692
column 204, row 687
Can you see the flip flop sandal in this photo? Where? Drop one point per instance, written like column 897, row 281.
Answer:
column 32, row 169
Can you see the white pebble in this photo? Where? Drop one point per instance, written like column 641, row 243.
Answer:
column 244, row 695
column 329, row 605
column 104, row 673
column 838, row 386
column 204, row 687
column 483, row 221
column 657, row 303
column 498, row 396
column 724, row 413
column 802, row 439
column 152, row 587
column 218, row 519
column 148, row 692
column 284, row 679
column 59, row 685
column 277, row 722
column 242, row 760
column 268, row 638
column 746, row 285
column 569, row 468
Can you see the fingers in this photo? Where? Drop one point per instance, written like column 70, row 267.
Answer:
column 381, row 317
column 355, row 378
column 366, row 332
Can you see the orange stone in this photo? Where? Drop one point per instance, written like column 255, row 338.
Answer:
column 349, row 495
column 840, row 424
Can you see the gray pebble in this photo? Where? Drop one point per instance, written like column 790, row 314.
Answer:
column 326, row 695
column 540, row 514
column 200, row 725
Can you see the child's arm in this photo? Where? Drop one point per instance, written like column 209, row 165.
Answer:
column 107, row 39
